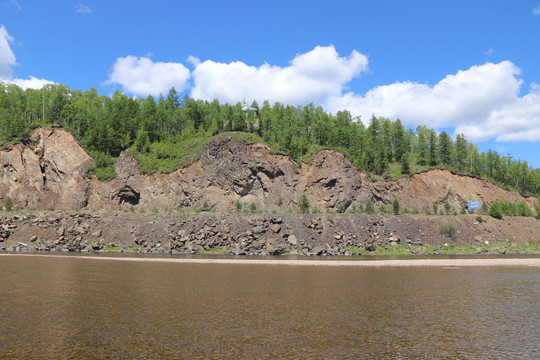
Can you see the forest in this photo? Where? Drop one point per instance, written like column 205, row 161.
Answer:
column 166, row 133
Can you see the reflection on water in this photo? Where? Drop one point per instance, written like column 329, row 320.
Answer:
column 71, row 308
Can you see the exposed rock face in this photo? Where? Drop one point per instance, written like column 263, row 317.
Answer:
column 435, row 186
column 49, row 171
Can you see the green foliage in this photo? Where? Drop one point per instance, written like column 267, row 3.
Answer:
column 314, row 210
column 395, row 206
column 382, row 208
column 8, row 203
column 205, row 206
column 155, row 210
column 480, row 219
column 435, row 208
column 495, row 210
column 341, row 208
column 448, row 228
column 103, row 166
column 523, row 209
column 447, row 207
column 370, row 209
column 279, row 201
column 253, row 207
column 463, row 210
column 303, row 204
column 415, row 211
column 238, row 205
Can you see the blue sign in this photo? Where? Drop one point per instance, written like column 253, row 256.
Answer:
column 474, row 204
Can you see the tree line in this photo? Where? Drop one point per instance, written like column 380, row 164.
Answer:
column 106, row 126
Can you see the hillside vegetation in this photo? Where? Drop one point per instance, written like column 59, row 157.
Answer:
column 167, row 133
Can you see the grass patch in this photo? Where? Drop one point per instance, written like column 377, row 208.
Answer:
column 113, row 248
column 214, row 251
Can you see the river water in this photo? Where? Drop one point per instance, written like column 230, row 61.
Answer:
column 54, row 308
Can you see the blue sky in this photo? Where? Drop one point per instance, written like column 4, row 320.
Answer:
column 469, row 67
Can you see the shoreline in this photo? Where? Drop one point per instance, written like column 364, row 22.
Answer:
column 517, row 262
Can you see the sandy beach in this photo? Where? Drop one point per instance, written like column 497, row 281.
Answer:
column 529, row 262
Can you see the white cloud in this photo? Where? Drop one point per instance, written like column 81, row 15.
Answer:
column 518, row 121
column 536, row 10
column 466, row 98
column 31, row 83
column 7, row 57
column 8, row 60
column 141, row 76
column 310, row 77
column 82, row 9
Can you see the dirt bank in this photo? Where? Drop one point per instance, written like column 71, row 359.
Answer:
column 260, row 234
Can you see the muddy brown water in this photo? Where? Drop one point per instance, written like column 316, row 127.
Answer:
column 71, row 308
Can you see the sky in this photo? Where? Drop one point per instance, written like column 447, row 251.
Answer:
column 462, row 66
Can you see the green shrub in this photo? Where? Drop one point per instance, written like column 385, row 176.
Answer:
column 303, row 204
column 314, row 210
column 238, row 205
column 205, row 206
column 370, row 209
column 253, row 207
column 8, row 203
column 495, row 210
column 480, row 219
column 279, row 201
column 447, row 207
column 448, row 228
column 523, row 209
column 341, row 208
column 395, row 205
column 435, row 209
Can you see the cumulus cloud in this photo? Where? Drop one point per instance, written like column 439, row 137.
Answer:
column 518, row 121
column 310, row 77
column 142, row 76
column 482, row 102
column 7, row 57
column 536, row 10
column 8, row 60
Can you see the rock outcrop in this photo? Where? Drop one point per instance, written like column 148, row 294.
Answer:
column 46, row 171
column 50, row 169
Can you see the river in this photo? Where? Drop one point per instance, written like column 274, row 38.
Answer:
column 67, row 307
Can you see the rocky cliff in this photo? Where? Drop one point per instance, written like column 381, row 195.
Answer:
column 50, row 170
